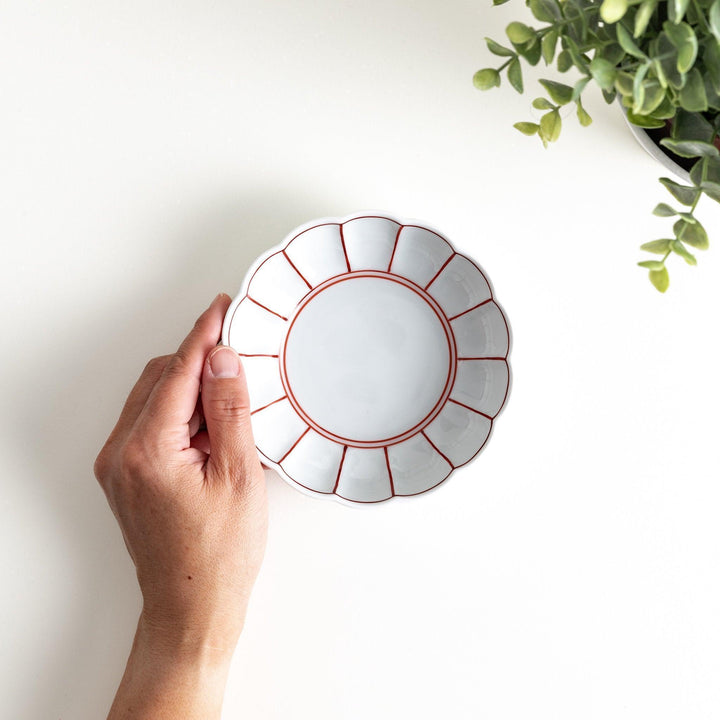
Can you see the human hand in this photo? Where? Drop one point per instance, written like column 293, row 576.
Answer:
column 192, row 508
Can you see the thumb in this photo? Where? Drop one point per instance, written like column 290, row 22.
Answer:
column 226, row 407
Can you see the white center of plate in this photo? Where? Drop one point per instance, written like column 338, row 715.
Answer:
column 368, row 359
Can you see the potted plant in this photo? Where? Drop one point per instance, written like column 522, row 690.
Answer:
column 661, row 60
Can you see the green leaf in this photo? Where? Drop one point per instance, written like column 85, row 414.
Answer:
column 688, row 217
column 499, row 2
column 578, row 89
column 613, row 10
column 564, row 61
column 609, row 96
column 627, row 43
column 642, row 18
column 679, row 249
column 582, row 115
column 486, row 79
column 705, row 174
column 603, row 72
column 677, row 9
column 660, row 279
column 652, row 264
column 639, row 88
column 514, row 74
column 527, row 128
column 548, row 44
column 692, row 95
column 690, row 148
column 713, row 97
column 692, row 234
column 684, row 194
column 542, row 103
column 712, row 190
column 714, row 19
column 665, row 110
column 691, row 126
column 559, row 93
column 518, row 33
column 530, row 50
column 623, row 83
column 683, row 38
column 574, row 11
column 654, row 95
column 612, row 52
column 664, row 210
column 550, row 125
column 711, row 58
column 579, row 60
column 497, row 49
column 666, row 62
column 659, row 72
column 649, row 123
column 659, row 247
column 545, row 10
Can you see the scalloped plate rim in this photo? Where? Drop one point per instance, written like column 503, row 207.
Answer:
column 242, row 292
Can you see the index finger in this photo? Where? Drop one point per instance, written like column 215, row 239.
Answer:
column 173, row 399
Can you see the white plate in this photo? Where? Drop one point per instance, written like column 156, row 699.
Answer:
column 375, row 354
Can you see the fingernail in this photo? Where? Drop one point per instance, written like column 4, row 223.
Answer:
column 218, row 297
column 224, row 362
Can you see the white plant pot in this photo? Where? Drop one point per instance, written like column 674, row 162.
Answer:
column 656, row 152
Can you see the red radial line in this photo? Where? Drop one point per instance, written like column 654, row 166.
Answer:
column 292, row 265
column 256, row 355
column 252, row 300
column 292, row 447
column 342, row 460
column 474, row 307
column 444, row 265
column 392, row 256
column 387, row 462
column 268, row 405
column 437, row 450
column 472, row 409
column 482, row 358
column 342, row 241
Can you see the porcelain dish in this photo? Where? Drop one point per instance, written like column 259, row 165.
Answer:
column 376, row 357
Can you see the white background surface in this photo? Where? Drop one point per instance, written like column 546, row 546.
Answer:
column 148, row 152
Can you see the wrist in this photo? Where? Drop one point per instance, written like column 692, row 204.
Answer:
column 164, row 640
column 172, row 674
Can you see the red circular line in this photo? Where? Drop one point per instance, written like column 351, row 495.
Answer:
column 447, row 389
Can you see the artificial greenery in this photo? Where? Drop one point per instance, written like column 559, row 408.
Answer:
column 661, row 58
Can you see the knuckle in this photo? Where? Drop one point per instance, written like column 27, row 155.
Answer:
column 133, row 458
column 177, row 365
column 228, row 409
column 249, row 484
column 156, row 365
column 102, row 465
